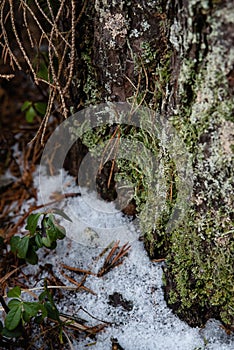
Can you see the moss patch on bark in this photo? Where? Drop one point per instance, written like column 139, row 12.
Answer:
column 199, row 259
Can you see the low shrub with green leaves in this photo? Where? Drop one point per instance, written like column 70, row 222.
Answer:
column 32, row 109
column 43, row 231
column 46, row 233
column 20, row 312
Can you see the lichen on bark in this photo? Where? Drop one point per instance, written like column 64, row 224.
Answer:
column 185, row 52
column 178, row 57
column 199, row 272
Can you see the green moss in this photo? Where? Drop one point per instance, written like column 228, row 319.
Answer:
column 148, row 55
column 90, row 88
column 200, row 261
column 199, row 273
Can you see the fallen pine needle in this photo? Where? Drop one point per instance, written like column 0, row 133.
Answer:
column 78, row 284
column 76, row 269
column 114, row 258
column 158, row 260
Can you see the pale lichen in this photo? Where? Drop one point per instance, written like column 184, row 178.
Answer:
column 200, row 268
column 115, row 24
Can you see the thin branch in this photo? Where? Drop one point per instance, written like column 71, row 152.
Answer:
column 78, row 284
column 50, row 9
column 7, row 76
column 27, row 27
column 76, row 269
column 20, row 43
column 40, row 27
column 72, row 54
column 53, row 24
column 5, row 278
column 12, row 56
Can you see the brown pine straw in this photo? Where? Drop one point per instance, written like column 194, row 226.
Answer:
column 114, row 258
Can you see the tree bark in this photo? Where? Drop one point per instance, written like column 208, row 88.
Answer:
column 179, row 56
column 199, row 272
column 182, row 51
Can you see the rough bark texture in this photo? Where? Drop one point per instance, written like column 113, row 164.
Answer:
column 177, row 57
column 199, row 272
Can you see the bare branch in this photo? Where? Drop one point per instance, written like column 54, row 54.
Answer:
column 20, row 43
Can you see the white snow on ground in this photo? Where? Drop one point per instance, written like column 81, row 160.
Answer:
column 148, row 324
column 94, row 222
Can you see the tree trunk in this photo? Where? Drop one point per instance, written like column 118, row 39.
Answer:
column 199, row 269
column 178, row 57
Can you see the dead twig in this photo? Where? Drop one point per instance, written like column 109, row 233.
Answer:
column 114, row 258
column 76, row 269
column 158, row 260
column 69, row 322
column 78, row 284
column 4, row 278
column 95, row 318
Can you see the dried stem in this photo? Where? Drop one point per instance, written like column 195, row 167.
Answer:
column 61, row 47
column 114, row 258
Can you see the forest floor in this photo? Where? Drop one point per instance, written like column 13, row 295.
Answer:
column 122, row 306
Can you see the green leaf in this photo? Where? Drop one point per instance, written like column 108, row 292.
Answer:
column 46, row 294
column 17, row 332
column 61, row 213
column 43, row 311
column 46, row 242
column 32, row 222
column 52, row 311
column 13, row 317
column 31, row 256
column 43, row 71
column 61, row 232
column 54, row 230
column 49, row 306
column 22, row 247
column 30, row 114
column 43, row 295
column 40, row 107
column 14, row 243
column 50, row 228
column 25, row 317
column 38, row 240
column 14, row 292
column 26, row 105
column 31, row 308
column 39, row 319
column 53, row 245
column 14, row 303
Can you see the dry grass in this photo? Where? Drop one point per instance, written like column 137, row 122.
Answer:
column 34, row 34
